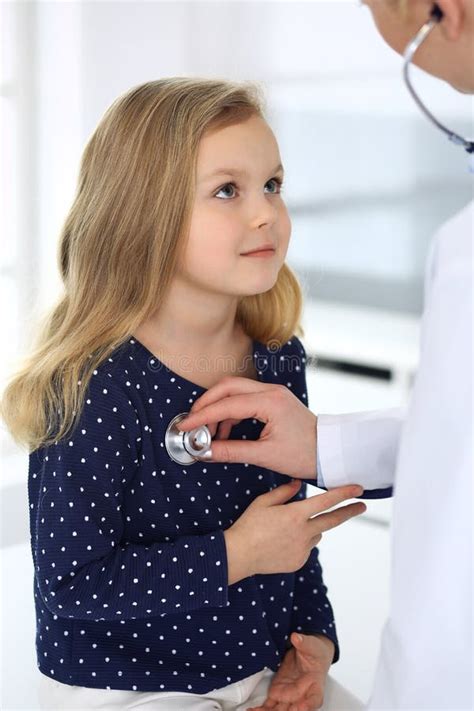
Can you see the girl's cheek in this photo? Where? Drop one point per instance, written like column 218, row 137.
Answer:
column 286, row 230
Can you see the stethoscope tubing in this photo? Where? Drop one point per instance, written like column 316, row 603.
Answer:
column 408, row 55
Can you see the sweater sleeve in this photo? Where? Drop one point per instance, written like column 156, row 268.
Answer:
column 312, row 611
column 84, row 567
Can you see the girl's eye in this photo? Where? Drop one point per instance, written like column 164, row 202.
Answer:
column 224, row 187
column 278, row 182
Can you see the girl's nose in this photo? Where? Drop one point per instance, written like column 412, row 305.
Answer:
column 264, row 213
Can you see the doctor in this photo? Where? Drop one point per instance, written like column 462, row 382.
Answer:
column 426, row 657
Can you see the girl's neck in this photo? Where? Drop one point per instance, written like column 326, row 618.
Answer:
column 201, row 366
column 192, row 317
column 197, row 336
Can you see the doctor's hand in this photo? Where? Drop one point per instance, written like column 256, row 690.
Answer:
column 287, row 443
column 299, row 683
column 273, row 536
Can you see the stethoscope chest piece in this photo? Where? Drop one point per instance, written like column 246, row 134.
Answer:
column 186, row 447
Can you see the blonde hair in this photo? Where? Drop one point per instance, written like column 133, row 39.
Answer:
column 121, row 242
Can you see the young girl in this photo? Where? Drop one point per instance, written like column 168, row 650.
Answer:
column 164, row 294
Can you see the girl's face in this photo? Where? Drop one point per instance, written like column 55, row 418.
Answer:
column 238, row 208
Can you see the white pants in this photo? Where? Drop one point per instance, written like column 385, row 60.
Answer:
column 252, row 691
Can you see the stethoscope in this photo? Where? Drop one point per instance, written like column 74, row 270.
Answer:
column 187, row 447
column 195, row 445
column 435, row 17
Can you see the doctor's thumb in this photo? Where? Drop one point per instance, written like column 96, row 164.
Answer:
column 229, row 450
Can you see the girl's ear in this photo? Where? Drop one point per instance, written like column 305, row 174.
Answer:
column 454, row 18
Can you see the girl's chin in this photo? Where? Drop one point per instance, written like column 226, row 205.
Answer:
column 240, row 285
column 258, row 289
column 240, row 291
column 255, row 286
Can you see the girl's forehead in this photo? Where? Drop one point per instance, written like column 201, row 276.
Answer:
column 255, row 126
column 238, row 145
column 237, row 171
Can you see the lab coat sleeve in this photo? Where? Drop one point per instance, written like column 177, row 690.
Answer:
column 85, row 569
column 359, row 448
column 312, row 611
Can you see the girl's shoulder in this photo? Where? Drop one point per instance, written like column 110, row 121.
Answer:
column 295, row 346
column 116, row 366
column 109, row 382
column 285, row 364
column 291, row 354
column 107, row 412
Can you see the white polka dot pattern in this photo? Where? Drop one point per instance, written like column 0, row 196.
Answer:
column 130, row 567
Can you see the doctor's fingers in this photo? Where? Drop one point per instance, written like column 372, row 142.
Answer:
column 228, row 386
column 234, row 407
column 236, row 450
column 213, row 428
column 225, row 428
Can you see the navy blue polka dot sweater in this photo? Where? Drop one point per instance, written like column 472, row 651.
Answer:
column 130, row 569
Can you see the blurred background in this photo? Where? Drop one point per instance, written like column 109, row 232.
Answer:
column 368, row 181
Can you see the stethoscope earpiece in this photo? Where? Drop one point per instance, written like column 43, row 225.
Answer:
column 437, row 13
column 187, row 447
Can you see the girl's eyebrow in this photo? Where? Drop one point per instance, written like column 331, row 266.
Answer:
column 236, row 171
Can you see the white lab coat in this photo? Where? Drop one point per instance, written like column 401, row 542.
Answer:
column 425, row 660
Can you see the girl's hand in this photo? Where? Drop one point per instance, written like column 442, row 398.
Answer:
column 299, row 683
column 273, row 536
